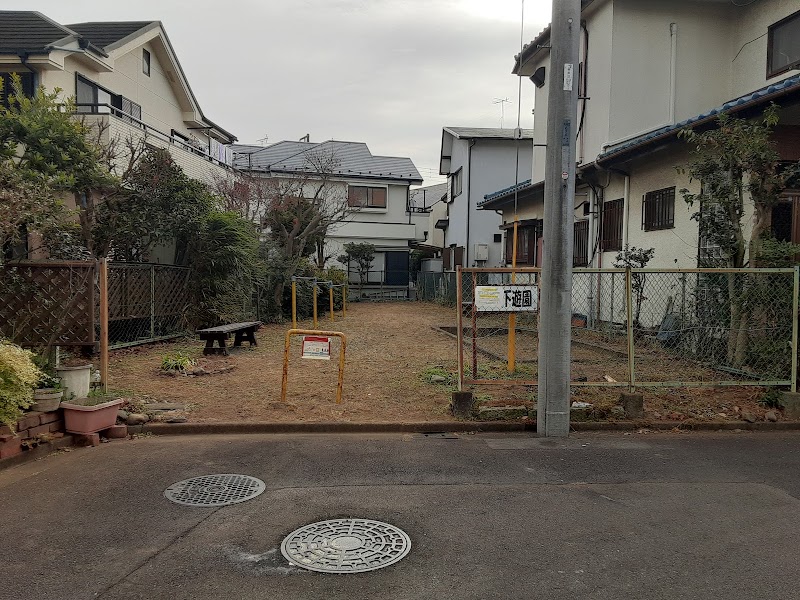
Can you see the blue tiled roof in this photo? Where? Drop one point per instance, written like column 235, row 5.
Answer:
column 509, row 190
column 782, row 86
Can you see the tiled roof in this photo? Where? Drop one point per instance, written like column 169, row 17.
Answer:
column 487, row 133
column 424, row 197
column 509, row 190
column 761, row 96
column 29, row 31
column 352, row 159
column 106, row 34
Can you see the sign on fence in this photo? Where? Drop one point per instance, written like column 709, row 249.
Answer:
column 316, row 347
column 506, row 298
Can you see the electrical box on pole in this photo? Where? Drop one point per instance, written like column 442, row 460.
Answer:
column 552, row 416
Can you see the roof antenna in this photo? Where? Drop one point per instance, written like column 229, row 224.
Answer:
column 502, row 103
column 263, row 141
column 306, row 138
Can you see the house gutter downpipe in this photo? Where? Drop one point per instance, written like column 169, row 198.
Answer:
column 553, row 401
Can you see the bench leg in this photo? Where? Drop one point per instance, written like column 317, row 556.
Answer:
column 250, row 336
column 237, row 340
column 209, row 349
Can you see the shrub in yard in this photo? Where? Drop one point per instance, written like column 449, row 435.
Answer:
column 176, row 361
column 18, row 376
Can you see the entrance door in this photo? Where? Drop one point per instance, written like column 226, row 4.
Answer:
column 396, row 268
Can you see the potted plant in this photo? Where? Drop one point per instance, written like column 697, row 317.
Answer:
column 18, row 376
column 48, row 393
column 91, row 414
column 76, row 376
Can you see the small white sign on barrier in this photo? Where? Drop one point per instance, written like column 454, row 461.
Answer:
column 508, row 297
column 315, row 347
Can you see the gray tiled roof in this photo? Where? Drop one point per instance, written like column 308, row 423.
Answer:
column 426, row 196
column 488, row 133
column 352, row 159
column 105, row 34
column 29, row 31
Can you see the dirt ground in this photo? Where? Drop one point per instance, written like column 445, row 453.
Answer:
column 398, row 368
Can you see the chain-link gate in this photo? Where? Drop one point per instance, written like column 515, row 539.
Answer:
column 636, row 328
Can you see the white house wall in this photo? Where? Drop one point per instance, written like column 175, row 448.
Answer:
column 492, row 168
column 750, row 68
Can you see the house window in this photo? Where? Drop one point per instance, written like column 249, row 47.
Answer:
column 362, row 196
column 498, row 238
column 783, row 46
column 26, row 79
column 611, row 238
column 146, row 62
column 91, row 98
column 580, row 244
column 658, row 210
column 455, row 184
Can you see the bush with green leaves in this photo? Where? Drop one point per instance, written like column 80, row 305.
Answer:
column 176, row 361
column 18, row 376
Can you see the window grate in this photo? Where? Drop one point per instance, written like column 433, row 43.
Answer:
column 611, row 238
column 580, row 246
column 658, row 210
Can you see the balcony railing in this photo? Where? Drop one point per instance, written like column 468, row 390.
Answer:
column 148, row 130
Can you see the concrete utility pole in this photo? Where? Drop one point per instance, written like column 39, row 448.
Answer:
column 552, row 416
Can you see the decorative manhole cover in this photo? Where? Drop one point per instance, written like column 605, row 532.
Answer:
column 346, row 546
column 215, row 490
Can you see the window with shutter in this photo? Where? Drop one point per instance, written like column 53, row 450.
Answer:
column 580, row 247
column 611, row 229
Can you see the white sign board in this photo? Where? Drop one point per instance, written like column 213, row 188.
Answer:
column 508, row 297
column 318, row 348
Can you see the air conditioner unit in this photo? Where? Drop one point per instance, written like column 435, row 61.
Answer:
column 481, row 252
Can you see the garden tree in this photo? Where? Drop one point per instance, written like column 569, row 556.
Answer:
column 299, row 212
column 632, row 257
column 44, row 154
column 244, row 194
column 737, row 162
column 362, row 255
column 225, row 268
column 160, row 203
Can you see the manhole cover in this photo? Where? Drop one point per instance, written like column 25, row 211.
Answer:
column 346, row 546
column 215, row 490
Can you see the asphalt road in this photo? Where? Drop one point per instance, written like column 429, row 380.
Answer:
column 606, row 516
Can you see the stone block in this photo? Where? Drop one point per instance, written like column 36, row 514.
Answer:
column 5, row 430
column 41, row 429
column 633, row 404
column 31, row 419
column 116, row 432
column 461, row 404
column 56, row 426
column 49, row 417
column 86, row 439
column 791, row 404
column 11, row 448
column 502, row 413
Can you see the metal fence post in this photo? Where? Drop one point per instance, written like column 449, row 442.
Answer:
column 795, row 307
column 460, row 332
column 103, row 279
column 152, row 301
column 629, row 306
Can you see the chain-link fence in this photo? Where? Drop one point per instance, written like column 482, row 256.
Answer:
column 146, row 302
column 437, row 287
column 636, row 328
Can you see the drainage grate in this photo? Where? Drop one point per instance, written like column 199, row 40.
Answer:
column 346, row 546
column 215, row 490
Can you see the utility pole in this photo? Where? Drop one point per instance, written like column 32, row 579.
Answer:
column 552, row 416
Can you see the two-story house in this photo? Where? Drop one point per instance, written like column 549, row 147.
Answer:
column 124, row 76
column 648, row 70
column 478, row 161
column 376, row 190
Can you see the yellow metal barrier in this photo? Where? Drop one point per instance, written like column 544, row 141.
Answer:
column 286, row 347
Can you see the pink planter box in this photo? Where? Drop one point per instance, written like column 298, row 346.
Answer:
column 90, row 419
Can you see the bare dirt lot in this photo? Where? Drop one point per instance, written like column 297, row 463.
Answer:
column 399, row 369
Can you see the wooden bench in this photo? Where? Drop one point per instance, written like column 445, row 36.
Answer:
column 243, row 332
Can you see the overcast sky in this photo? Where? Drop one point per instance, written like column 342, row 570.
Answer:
column 390, row 73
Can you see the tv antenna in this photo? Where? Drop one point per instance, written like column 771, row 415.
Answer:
column 502, row 103
column 263, row 141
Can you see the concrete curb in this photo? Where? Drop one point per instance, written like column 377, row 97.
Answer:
column 41, row 451
column 450, row 426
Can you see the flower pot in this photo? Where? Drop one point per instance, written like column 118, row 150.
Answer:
column 90, row 419
column 75, row 381
column 46, row 399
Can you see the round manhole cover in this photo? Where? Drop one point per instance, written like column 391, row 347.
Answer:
column 215, row 490
column 346, row 546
